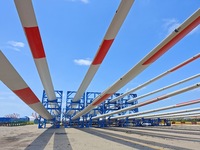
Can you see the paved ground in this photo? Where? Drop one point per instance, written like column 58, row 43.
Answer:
column 143, row 138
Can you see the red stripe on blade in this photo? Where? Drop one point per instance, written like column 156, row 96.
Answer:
column 105, row 46
column 27, row 96
column 102, row 99
column 152, row 100
column 172, row 42
column 190, row 102
column 35, row 41
column 185, row 63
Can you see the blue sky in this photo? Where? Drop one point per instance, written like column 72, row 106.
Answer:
column 72, row 31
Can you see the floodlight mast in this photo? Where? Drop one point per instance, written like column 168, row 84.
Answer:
column 31, row 29
column 192, row 22
column 192, row 102
column 157, row 77
column 108, row 39
column 10, row 77
column 150, row 101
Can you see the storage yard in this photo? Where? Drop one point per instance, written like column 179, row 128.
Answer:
column 90, row 118
column 176, row 137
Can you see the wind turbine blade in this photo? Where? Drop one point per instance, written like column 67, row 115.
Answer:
column 164, row 88
column 151, row 100
column 109, row 37
column 31, row 29
column 158, row 77
column 15, row 83
column 192, row 22
column 191, row 102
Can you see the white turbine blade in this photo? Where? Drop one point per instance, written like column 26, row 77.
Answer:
column 157, row 77
column 110, row 35
column 192, row 102
column 192, row 22
column 151, row 101
column 169, row 115
column 164, row 88
column 29, row 23
column 14, row 82
column 182, row 116
column 180, row 112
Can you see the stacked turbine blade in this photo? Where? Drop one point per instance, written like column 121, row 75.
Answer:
column 192, row 22
column 14, row 82
column 158, row 77
column 150, row 101
column 109, row 37
column 192, row 102
column 29, row 23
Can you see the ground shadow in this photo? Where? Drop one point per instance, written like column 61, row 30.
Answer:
column 41, row 141
column 159, row 135
column 61, row 141
column 179, row 131
column 115, row 139
column 123, row 140
column 183, row 128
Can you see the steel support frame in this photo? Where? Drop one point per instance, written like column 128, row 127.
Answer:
column 111, row 106
column 52, row 107
column 89, row 97
column 124, row 103
column 108, row 106
column 105, row 107
column 71, row 109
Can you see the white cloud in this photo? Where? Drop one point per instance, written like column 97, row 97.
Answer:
column 127, row 89
column 83, row 62
column 171, row 24
column 16, row 44
column 13, row 48
column 83, row 1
